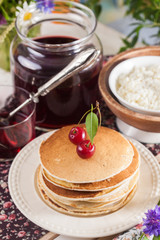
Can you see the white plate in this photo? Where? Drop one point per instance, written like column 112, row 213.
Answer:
column 24, row 195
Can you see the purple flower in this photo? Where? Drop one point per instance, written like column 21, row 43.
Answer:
column 45, row 5
column 2, row 20
column 152, row 222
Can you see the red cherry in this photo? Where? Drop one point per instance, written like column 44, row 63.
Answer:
column 85, row 149
column 77, row 135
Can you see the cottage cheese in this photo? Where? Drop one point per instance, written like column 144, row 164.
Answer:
column 141, row 87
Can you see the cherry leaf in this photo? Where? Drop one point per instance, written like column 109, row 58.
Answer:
column 91, row 125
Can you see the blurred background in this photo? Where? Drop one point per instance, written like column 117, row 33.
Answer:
column 114, row 15
column 112, row 12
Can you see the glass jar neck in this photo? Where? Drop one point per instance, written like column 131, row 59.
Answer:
column 61, row 19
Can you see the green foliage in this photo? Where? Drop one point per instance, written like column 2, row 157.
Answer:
column 95, row 6
column 6, row 35
column 8, row 8
column 7, row 31
column 156, row 238
column 147, row 15
column 144, row 237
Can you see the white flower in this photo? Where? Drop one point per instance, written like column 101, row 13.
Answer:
column 28, row 14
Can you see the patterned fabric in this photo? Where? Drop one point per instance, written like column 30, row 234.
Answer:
column 13, row 225
column 132, row 234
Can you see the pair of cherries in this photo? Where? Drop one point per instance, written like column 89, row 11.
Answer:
column 85, row 149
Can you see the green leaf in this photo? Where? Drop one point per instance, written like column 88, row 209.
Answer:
column 97, row 10
column 141, row 237
column 91, row 125
column 147, row 15
column 5, row 14
column 145, row 237
column 134, row 40
column 122, row 49
column 156, row 238
column 95, row 5
column 126, row 42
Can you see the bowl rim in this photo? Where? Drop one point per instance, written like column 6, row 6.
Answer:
column 133, row 63
column 111, row 100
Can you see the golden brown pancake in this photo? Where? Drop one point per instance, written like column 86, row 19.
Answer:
column 87, row 187
column 71, row 210
column 84, row 195
column 59, row 158
column 101, row 185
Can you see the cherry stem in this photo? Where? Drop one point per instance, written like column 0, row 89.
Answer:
column 74, row 131
column 99, row 112
column 85, row 115
column 87, row 145
column 91, row 110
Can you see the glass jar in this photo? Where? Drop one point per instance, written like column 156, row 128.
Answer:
column 50, row 35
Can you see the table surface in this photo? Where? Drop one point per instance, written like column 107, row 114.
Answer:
column 13, row 225
column 110, row 38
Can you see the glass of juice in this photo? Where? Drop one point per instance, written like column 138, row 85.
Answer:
column 49, row 35
column 17, row 131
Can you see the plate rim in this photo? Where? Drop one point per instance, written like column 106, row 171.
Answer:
column 68, row 232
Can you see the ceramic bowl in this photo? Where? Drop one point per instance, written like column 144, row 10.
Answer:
column 125, row 67
column 140, row 120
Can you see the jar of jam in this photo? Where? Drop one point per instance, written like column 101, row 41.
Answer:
column 49, row 35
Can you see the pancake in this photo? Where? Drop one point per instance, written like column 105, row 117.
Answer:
column 82, row 195
column 63, row 208
column 72, row 195
column 90, row 207
column 60, row 160
column 87, row 187
column 101, row 185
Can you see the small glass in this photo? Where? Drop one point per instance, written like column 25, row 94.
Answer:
column 50, row 34
column 18, row 130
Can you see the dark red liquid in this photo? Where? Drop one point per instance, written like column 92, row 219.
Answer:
column 14, row 137
column 69, row 101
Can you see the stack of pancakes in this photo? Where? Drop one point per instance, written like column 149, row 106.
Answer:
column 87, row 187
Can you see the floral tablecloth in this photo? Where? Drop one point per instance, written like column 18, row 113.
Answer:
column 13, row 225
